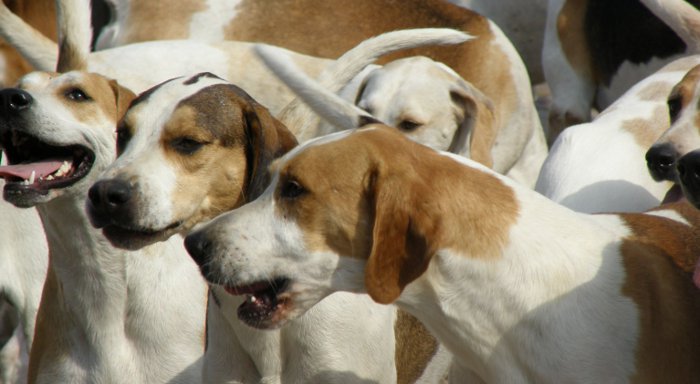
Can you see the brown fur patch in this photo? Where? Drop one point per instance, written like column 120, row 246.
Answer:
column 646, row 131
column 139, row 25
column 415, row 347
column 40, row 14
column 655, row 91
column 379, row 196
column 570, row 29
column 106, row 98
column 222, row 174
column 478, row 116
column 658, row 259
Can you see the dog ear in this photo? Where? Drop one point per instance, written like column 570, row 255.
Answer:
column 266, row 139
column 477, row 129
column 401, row 245
column 123, row 97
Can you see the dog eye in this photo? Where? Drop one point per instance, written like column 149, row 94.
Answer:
column 291, row 189
column 123, row 137
column 408, row 125
column 186, row 145
column 674, row 107
column 77, row 94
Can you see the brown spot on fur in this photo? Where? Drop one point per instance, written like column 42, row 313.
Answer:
column 570, row 29
column 655, row 91
column 658, row 258
column 379, row 196
column 107, row 98
column 477, row 117
column 415, row 347
column 647, row 131
column 139, row 25
column 241, row 138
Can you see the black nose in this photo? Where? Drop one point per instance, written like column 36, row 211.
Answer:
column 198, row 246
column 661, row 161
column 689, row 175
column 109, row 196
column 14, row 100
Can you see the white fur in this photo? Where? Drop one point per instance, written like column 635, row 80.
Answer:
column 599, row 166
column 123, row 314
column 211, row 23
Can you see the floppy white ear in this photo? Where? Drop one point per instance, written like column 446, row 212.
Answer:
column 477, row 130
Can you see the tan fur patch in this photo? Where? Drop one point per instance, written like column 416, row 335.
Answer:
column 655, row 91
column 658, row 259
column 40, row 14
column 107, row 98
column 139, row 25
column 415, row 347
column 570, row 29
column 646, row 131
column 419, row 201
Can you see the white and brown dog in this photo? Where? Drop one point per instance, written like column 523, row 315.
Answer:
column 599, row 166
column 595, row 51
column 200, row 146
column 105, row 313
column 519, row 288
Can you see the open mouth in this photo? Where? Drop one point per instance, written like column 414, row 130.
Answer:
column 37, row 167
column 264, row 301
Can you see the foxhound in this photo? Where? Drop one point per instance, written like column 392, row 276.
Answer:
column 518, row 288
column 595, row 51
column 105, row 313
column 599, row 166
column 683, row 136
column 194, row 147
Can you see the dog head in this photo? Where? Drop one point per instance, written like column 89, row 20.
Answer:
column 684, row 134
column 58, row 133
column 359, row 211
column 433, row 105
column 191, row 148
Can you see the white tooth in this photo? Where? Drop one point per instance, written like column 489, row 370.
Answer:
column 253, row 299
column 31, row 178
column 49, row 177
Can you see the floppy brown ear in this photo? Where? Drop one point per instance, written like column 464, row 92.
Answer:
column 123, row 97
column 477, row 124
column 266, row 139
column 400, row 239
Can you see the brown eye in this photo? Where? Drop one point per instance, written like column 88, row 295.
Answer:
column 291, row 189
column 186, row 145
column 77, row 94
column 674, row 107
column 408, row 125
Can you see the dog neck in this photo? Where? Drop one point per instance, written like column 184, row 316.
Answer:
column 99, row 299
column 514, row 308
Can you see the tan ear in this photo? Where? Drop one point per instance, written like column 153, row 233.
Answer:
column 401, row 245
column 267, row 139
column 478, row 124
column 123, row 97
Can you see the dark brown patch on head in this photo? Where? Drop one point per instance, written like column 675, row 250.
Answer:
column 145, row 95
column 379, row 196
column 194, row 79
column 415, row 347
column 221, row 142
column 658, row 259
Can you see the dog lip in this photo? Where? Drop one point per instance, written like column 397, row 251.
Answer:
column 277, row 286
column 132, row 237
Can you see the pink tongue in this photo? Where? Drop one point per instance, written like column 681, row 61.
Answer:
column 24, row 171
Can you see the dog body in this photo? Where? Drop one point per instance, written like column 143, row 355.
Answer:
column 544, row 291
column 599, row 166
column 105, row 314
column 594, row 51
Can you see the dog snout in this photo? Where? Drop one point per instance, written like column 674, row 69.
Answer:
column 661, row 161
column 689, row 175
column 199, row 246
column 14, row 100
column 107, row 197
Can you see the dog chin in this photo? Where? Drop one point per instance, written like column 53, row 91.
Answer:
column 132, row 240
column 27, row 198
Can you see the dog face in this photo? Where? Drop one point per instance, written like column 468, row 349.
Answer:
column 684, row 134
column 58, row 132
column 431, row 104
column 192, row 148
column 355, row 212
